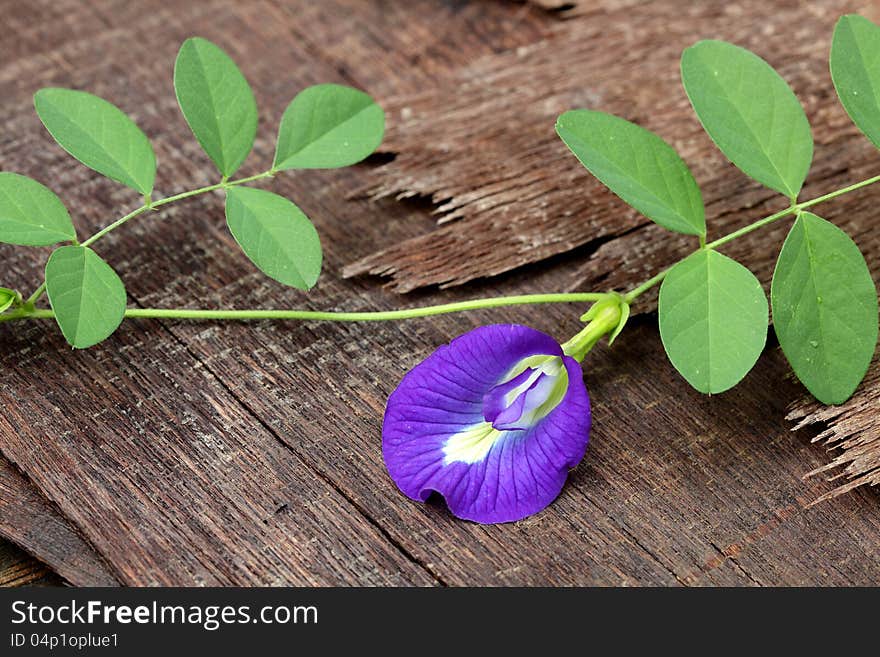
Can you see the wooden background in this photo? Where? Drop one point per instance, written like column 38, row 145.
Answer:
column 199, row 454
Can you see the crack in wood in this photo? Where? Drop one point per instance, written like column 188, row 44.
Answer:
column 850, row 431
column 482, row 146
column 49, row 535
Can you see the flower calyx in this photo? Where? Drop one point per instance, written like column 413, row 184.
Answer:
column 605, row 317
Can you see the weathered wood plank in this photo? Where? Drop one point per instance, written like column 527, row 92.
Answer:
column 168, row 476
column 37, row 526
column 598, row 532
column 726, row 473
column 170, row 479
column 664, row 483
column 415, row 57
column 187, row 435
column 409, row 45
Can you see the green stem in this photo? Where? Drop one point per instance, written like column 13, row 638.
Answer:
column 633, row 294
column 31, row 300
column 152, row 205
column 116, row 224
column 839, row 192
column 630, row 296
column 745, row 230
column 332, row 316
column 579, row 344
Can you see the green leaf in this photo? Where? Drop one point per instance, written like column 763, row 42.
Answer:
column 638, row 166
column 86, row 294
column 824, row 308
column 855, row 71
column 99, row 135
column 750, row 113
column 276, row 235
column 328, row 126
column 217, row 102
column 31, row 214
column 7, row 298
column 713, row 320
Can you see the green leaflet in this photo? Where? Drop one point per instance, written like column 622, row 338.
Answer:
column 276, row 235
column 31, row 214
column 217, row 102
column 713, row 320
column 750, row 113
column 99, row 135
column 855, row 70
column 638, row 166
column 86, row 294
column 328, row 126
column 824, row 308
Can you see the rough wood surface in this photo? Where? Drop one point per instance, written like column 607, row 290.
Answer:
column 37, row 526
column 205, row 453
column 425, row 53
column 580, row 7
column 17, row 568
column 169, row 475
column 16, row 71
column 483, row 149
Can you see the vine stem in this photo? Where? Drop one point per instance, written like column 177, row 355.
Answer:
column 27, row 310
column 793, row 209
column 152, row 205
column 318, row 315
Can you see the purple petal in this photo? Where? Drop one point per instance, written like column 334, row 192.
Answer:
column 489, row 475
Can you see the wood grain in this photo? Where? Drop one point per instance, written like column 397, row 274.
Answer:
column 204, row 453
column 149, row 476
column 413, row 45
column 422, row 54
column 17, row 568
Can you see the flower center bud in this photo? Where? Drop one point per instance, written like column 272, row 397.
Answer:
column 532, row 389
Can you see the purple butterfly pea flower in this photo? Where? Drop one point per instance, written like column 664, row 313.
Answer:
column 493, row 422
